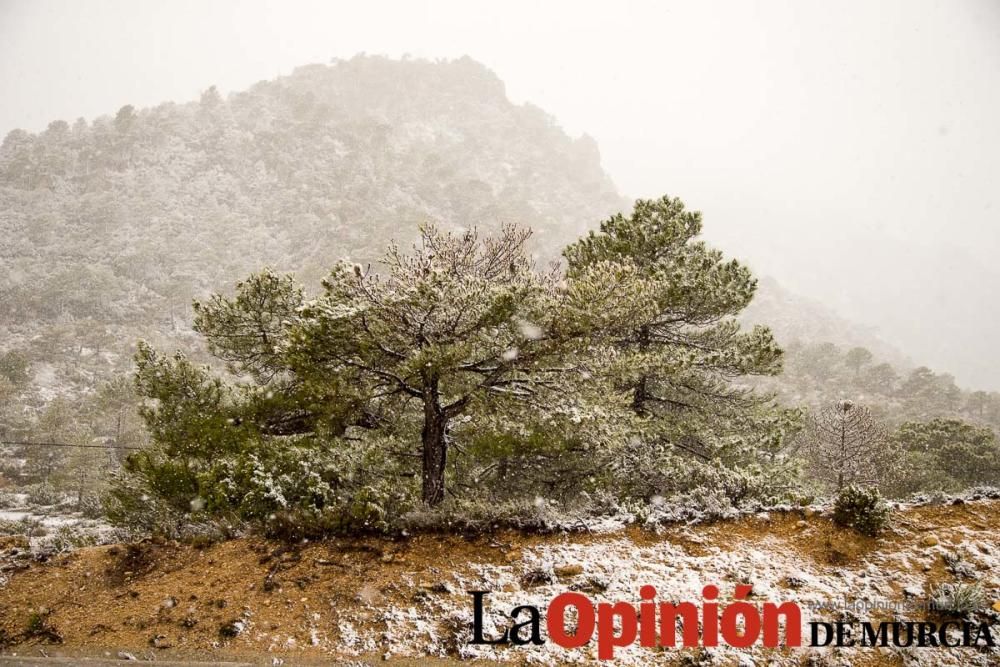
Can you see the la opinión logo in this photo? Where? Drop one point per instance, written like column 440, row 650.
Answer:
column 617, row 624
column 573, row 621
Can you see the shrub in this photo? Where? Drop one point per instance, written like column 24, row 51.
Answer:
column 65, row 538
column 958, row 599
column 289, row 488
column 130, row 506
column 862, row 509
column 44, row 495
column 90, row 506
column 26, row 526
column 38, row 627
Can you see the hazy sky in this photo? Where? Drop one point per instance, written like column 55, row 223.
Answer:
column 849, row 149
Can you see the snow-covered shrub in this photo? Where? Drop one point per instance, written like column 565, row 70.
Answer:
column 470, row 515
column 90, row 506
column 862, row 509
column 992, row 492
column 684, row 488
column 9, row 527
column 131, row 505
column 65, row 538
column 7, row 500
column 958, row 599
column 27, row 526
column 291, row 488
column 43, row 495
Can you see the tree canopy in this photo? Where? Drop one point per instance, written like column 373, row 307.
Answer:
column 464, row 366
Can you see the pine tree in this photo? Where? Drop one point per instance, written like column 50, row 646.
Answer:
column 847, row 445
column 682, row 352
column 541, row 381
column 459, row 321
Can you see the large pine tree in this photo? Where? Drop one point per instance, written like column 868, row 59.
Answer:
column 682, row 355
column 543, row 382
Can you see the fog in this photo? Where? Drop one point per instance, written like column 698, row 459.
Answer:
column 850, row 150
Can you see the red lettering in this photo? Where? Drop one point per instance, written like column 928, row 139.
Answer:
column 607, row 640
column 555, row 620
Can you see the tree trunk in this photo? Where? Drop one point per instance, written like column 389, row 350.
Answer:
column 641, row 392
column 843, row 452
column 434, row 444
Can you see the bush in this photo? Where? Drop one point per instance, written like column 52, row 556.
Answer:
column 64, row 539
column 26, row 526
column 958, row 599
column 90, row 506
column 286, row 490
column 44, row 495
column 862, row 509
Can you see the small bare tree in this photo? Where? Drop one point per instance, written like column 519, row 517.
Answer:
column 847, row 444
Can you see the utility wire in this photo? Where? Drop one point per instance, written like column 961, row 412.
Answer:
column 65, row 444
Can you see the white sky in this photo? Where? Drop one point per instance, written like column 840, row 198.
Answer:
column 849, row 149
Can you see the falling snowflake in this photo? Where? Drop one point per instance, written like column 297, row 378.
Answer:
column 529, row 330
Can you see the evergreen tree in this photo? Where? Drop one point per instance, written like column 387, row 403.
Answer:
column 458, row 322
column 847, row 445
column 540, row 383
column 680, row 352
column 961, row 454
column 857, row 358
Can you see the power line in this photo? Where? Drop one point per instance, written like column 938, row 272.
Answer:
column 65, row 444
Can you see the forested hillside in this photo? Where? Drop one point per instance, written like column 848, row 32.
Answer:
column 828, row 358
column 110, row 227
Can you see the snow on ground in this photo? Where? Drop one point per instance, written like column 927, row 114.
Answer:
column 55, row 526
column 619, row 567
column 410, row 598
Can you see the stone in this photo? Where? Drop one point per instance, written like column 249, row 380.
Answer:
column 930, row 541
column 568, row 570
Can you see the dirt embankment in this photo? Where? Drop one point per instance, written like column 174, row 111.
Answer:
column 350, row 599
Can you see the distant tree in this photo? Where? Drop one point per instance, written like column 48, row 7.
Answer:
column 857, row 358
column 58, row 128
column 881, row 379
column 60, row 423
column 14, row 366
column 9, row 422
column 117, row 420
column 929, row 394
column 211, row 98
column 968, row 455
column 124, row 118
column 820, row 361
column 846, row 444
column 977, row 402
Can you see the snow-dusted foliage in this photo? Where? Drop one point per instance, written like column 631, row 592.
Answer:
column 846, row 444
column 462, row 373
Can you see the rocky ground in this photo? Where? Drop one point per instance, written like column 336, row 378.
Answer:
column 367, row 600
